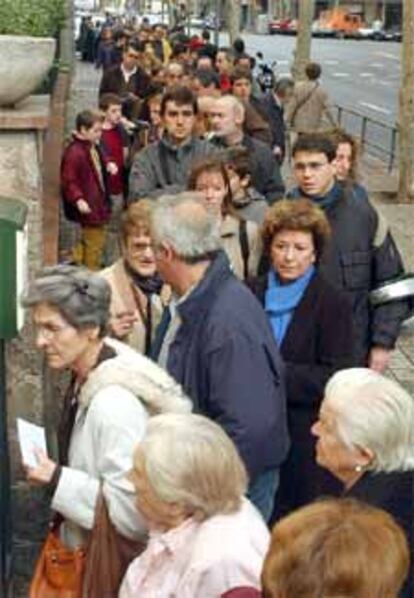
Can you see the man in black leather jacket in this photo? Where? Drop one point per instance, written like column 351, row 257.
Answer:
column 362, row 254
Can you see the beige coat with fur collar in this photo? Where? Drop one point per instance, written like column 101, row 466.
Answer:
column 115, row 403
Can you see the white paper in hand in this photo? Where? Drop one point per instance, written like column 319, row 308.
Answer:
column 30, row 437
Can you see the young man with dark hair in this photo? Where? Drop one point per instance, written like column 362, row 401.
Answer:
column 248, row 203
column 128, row 80
column 256, row 121
column 84, row 188
column 362, row 254
column 205, row 82
column 162, row 167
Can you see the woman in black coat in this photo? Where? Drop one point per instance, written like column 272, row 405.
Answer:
column 312, row 324
column 365, row 438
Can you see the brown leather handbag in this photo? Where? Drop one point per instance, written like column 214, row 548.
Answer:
column 108, row 556
column 94, row 571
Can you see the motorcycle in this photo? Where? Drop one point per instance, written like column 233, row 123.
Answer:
column 266, row 76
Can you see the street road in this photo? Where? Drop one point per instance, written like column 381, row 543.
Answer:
column 361, row 75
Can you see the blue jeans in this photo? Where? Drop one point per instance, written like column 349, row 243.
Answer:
column 262, row 492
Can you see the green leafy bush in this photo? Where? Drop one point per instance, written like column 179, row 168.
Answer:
column 36, row 18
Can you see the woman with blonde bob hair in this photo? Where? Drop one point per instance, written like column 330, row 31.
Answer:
column 313, row 326
column 205, row 538
column 336, row 548
column 365, row 438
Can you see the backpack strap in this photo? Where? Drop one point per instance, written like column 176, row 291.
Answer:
column 162, row 155
column 244, row 247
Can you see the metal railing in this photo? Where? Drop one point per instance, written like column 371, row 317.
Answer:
column 377, row 138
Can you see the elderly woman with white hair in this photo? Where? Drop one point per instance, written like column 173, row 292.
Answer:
column 205, row 538
column 112, row 393
column 365, row 437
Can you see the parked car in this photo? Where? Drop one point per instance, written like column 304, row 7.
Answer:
column 283, row 26
column 197, row 22
column 380, row 35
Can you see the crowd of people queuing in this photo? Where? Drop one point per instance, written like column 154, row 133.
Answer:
column 228, row 370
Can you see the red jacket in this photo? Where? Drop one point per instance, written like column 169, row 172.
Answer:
column 225, row 83
column 80, row 180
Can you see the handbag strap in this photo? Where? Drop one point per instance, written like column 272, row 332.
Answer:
column 300, row 104
column 244, row 247
column 108, row 554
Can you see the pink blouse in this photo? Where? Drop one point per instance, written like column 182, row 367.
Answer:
column 200, row 560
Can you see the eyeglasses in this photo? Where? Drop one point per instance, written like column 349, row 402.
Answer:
column 49, row 331
column 313, row 166
column 140, row 248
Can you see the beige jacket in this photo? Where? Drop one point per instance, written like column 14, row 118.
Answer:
column 125, row 299
column 230, row 240
column 314, row 113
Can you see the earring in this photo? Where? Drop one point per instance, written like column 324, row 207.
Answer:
column 358, row 468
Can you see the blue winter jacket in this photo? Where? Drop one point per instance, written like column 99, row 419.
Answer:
column 225, row 357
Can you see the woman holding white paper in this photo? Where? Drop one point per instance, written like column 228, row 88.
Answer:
column 112, row 393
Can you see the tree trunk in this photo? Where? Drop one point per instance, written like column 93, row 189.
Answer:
column 233, row 19
column 303, row 38
column 406, row 116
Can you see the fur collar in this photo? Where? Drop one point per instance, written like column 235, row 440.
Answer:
column 142, row 377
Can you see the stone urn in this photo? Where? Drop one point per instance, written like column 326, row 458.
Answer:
column 24, row 64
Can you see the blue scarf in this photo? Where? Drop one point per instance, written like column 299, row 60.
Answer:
column 281, row 301
column 325, row 201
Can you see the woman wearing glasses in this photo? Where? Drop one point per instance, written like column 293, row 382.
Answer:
column 112, row 393
column 138, row 295
column 312, row 325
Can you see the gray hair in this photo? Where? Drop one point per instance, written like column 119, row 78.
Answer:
column 82, row 297
column 184, row 222
column 376, row 413
column 190, row 461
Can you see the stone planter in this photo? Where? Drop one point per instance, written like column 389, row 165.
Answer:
column 25, row 62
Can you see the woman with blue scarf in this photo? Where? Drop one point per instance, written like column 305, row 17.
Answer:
column 312, row 325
